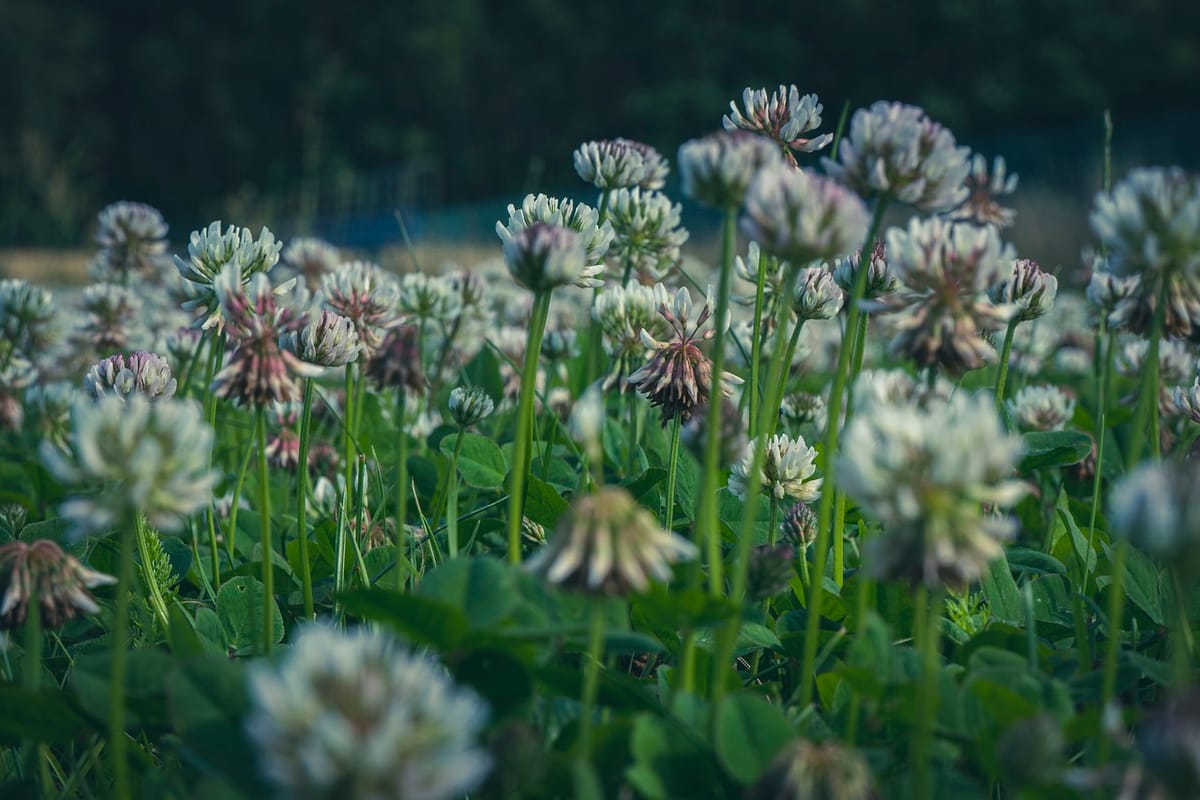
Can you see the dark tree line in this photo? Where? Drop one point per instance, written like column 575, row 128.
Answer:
column 184, row 105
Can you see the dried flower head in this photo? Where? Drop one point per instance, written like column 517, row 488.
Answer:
column 132, row 239
column 608, row 544
column 805, row 770
column 581, row 218
column 43, row 574
column 147, row 374
column 470, row 405
column 149, row 457
column 799, row 526
column 355, row 715
column 209, row 252
column 312, row 258
column 984, row 188
column 1027, row 287
column 879, row 282
column 678, row 377
column 647, row 234
column 895, row 151
column 367, row 296
column 783, row 116
column 946, row 268
column 816, row 295
column 1157, row 508
column 397, row 363
column 620, row 164
column 802, row 218
column 927, row 475
column 1041, row 408
column 623, row 312
column 543, row 257
column 787, row 471
column 717, row 169
column 327, row 340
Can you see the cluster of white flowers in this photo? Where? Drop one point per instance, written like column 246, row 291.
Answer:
column 1041, row 408
column 984, row 186
column 133, row 241
column 716, row 170
column 647, row 234
column 620, row 164
column 816, row 294
column 803, row 218
column 1027, row 287
column 1157, row 507
column 542, row 257
column 470, row 405
column 787, row 471
column 146, row 374
column 327, row 340
column 209, row 251
column 430, row 297
column 783, row 115
column 581, row 218
column 367, row 296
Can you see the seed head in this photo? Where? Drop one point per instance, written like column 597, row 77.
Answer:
column 40, row 572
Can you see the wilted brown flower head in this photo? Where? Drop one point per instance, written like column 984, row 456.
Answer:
column 283, row 444
column 365, row 294
column 678, row 376
column 397, row 363
column 42, row 573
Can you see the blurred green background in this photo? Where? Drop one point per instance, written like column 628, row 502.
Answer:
column 317, row 116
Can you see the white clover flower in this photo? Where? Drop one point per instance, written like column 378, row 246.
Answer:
column 802, row 218
column 586, row 421
column 355, row 715
column 1027, row 287
column 1176, row 361
column 716, row 170
column 145, row 374
column 1187, row 400
column 209, row 251
column 984, row 187
column 149, row 457
column 470, row 405
column 49, row 407
column 26, row 315
column 367, row 296
column 1157, row 508
column 1041, row 408
column 132, row 239
column 623, row 312
column 895, row 151
column 879, row 281
column 620, row 164
column 40, row 572
column 327, row 340
column 647, row 233
column 543, row 257
column 783, row 116
column 803, row 408
column 313, row 258
column 897, row 387
column 946, row 268
column 927, row 475
column 816, row 295
column 431, row 297
column 581, row 218
column 608, row 544
column 787, row 470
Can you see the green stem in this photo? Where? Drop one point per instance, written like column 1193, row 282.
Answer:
column 672, row 466
column 828, row 458
column 1002, row 375
column 235, row 506
column 1116, row 608
column 925, row 636
column 117, row 741
column 523, row 440
column 343, row 528
column 1145, row 419
column 264, row 516
column 839, row 510
column 756, row 345
column 1184, row 644
column 402, row 487
column 591, row 677
column 153, row 590
column 687, row 664
column 215, row 356
column 452, row 498
column 302, row 500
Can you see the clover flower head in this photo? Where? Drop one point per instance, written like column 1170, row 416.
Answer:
column 1186, row 400
column 623, row 312
column 608, row 544
column 209, row 251
column 26, row 315
column 1041, row 408
column 558, row 344
column 397, row 362
column 543, row 257
column 984, row 188
column 1157, row 508
column 620, row 164
column 716, row 169
column 799, row 525
column 678, row 377
column 879, row 281
column 41, row 573
column 327, row 340
column 356, row 715
column 581, row 218
column 928, row 474
column 647, row 234
column 149, row 457
column 132, row 239
column 802, row 218
column 787, row 470
column 367, row 296
column 806, row 769
column 430, row 297
column 108, row 311
column 816, row 294
column 1027, row 287
column 1150, row 223
column 897, row 387
column 49, row 407
column 782, row 116
column 895, row 151
column 1176, row 362
column 147, row 374
column 803, row 408
column 470, row 405
column 311, row 257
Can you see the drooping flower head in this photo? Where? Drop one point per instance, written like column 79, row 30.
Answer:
column 1028, row 288
column 581, row 218
column 133, row 241
column 678, row 377
column 787, row 470
column 647, row 234
column 367, row 296
column 41, row 573
column 209, row 252
column 895, row 151
column 782, row 116
column 717, row 169
column 327, row 340
column 620, row 164
column 259, row 372
column 149, row 457
column 146, row 374
column 803, row 218
column 543, row 257
column 283, row 438
column 623, row 312
column 984, row 189
column 946, row 268
column 355, row 715
column 608, row 544
column 1041, row 408
column 931, row 476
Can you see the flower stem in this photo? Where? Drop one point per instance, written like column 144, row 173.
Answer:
column 117, row 741
column 452, row 498
column 402, row 486
column 591, row 677
column 925, row 637
column 235, row 506
column 1184, row 643
column 523, row 440
column 302, row 499
column 672, row 467
column 828, row 458
column 1145, row 418
column 264, row 516
column 1002, row 375
column 1116, row 608
column 215, row 355
column 343, row 528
